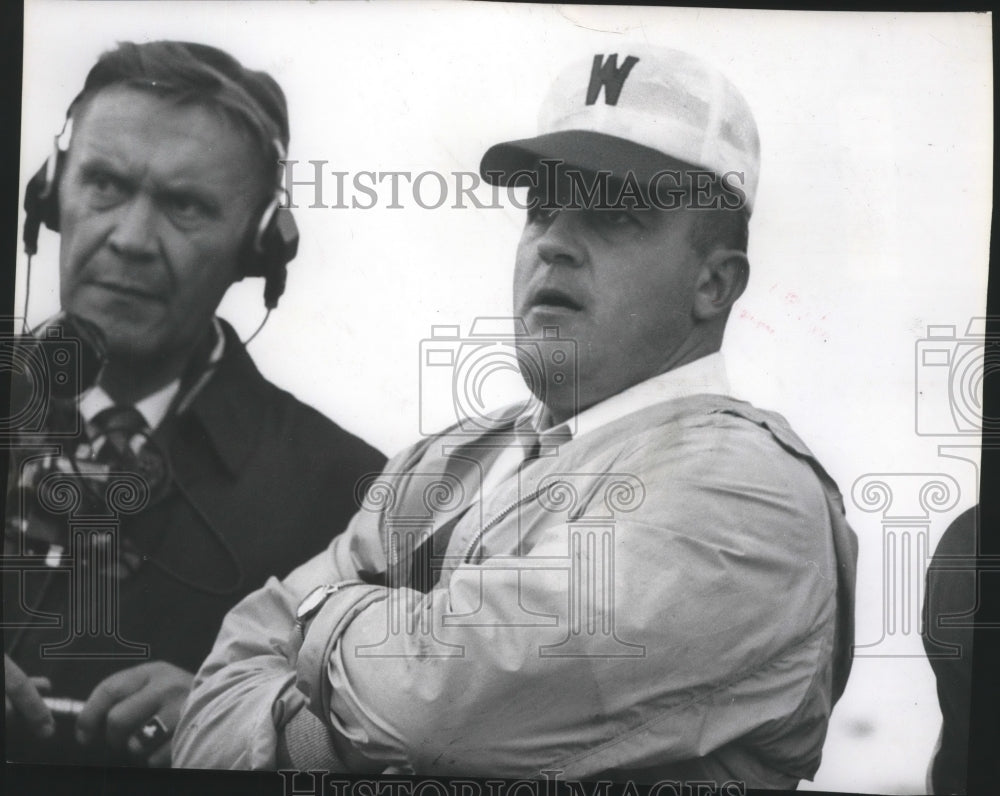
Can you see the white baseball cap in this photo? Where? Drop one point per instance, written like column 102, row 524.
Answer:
column 638, row 110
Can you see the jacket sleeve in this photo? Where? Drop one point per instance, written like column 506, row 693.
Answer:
column 710, row 619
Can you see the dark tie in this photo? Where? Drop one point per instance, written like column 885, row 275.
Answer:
column 423, row 574
column 542, row 445
column 424, row 569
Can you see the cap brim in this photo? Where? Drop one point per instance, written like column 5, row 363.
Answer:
column 513, row 162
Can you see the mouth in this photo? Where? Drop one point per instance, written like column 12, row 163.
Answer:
column 139, row 292
column 554, row 299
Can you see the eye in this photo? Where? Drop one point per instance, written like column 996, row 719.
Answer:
column 614, row 218
column 185, row 208
column 540, row 209
column 540, row 214
column 105, row 189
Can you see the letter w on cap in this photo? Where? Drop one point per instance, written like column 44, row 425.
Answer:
column 609, row 75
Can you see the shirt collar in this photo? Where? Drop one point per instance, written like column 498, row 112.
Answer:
column 153, row 407
column 702, row 376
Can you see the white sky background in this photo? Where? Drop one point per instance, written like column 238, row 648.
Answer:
column 871, row 222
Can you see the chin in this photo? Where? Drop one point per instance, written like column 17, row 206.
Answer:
column 132, row 343
column 131, row 355
column 561, row 402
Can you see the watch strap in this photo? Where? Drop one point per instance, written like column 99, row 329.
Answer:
column 302, row 619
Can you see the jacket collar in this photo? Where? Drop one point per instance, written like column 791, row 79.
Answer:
column 229, row 406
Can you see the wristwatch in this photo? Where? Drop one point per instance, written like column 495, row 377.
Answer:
column 315, row 600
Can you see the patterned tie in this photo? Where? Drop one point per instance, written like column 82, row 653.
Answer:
column 120, row 431
column 122, row 442
column 117, row 435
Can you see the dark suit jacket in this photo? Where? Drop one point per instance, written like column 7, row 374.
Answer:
column 952, row 594
column 262, row 483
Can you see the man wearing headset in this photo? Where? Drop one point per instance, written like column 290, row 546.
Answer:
column 166, row 195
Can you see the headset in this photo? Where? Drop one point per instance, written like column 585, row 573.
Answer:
column 274, row 244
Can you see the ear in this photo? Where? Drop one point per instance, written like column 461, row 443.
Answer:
column 722, row 278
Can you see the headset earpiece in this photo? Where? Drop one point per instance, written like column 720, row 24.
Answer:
column 276, row 241
column 41, row 200
column 275, row 244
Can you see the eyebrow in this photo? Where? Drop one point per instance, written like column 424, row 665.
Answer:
column 90, row 163
column 93, row 165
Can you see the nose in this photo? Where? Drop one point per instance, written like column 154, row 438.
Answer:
column 134, row 233
column 561, row 243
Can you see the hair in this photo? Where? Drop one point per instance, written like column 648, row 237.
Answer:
column 197, row 74
column 720, row 228
column 717, row 224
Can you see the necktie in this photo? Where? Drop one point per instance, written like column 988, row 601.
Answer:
column 543, row 444
column 119, row 431
column 424, row 569
column 117, row 435
column 422, row 573
column 465, row 463
column 122, row 442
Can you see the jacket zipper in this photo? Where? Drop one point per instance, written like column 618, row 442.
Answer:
column 474, row 542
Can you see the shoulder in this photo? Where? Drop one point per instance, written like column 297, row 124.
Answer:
column 282, row 422
column 297, row 424
column 310, row 421
column 719, row 470
column 960, row 538
column 713, row 437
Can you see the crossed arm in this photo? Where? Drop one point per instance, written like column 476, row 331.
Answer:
column 721, row 620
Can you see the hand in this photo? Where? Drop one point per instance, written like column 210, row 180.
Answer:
column 124, row 702
column 21, row 698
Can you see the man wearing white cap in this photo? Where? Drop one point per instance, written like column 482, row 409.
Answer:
column 656, row 585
